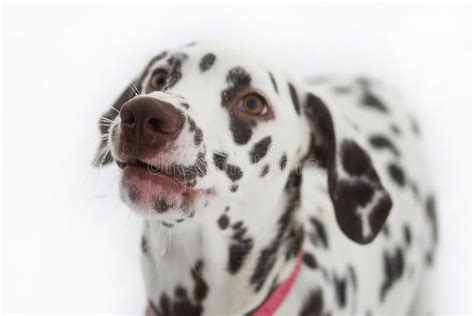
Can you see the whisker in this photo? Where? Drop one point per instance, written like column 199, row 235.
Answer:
column 135, row 89
column 105, row 120
column 103, row 155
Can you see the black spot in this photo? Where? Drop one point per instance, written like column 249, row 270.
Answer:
column 157, row 58
column 295, row 243
column 294, row 98
column 283, row 161
column 429, row 258
column 414, row 189
column 342, row 90
column 318, row 236
column 238, row 225
column 414, row 126
column 393, row 267
column 395, row 129
column 241, row 128
column 220, row 160
column 175, row 74
column 162, row 204
column 364, row 81
column 321, row 124
column 382, row 142
column 313, row 304
column 171, row 60
column 309, row 260
column 133, row 194
column 240, row 247
column 354, row 159
column 355, row 194
column 265, row 170
column 144, row 244
column 259, row 149
column 379, row 213
column 223, row 221
column 352, row 276
column 348, row 195
column 386, row 230
column 207, row 61
column 166, row 224
column 272, row 79
column 198, row 135
column 185, row 105
column 397, row 174
column 233, row 188
column 431, row 213
column 341, row 287
column 237, row 80
column 372, row 101
column 180, row 291
column 200, row 286
column 233, row 172
column 407, row 234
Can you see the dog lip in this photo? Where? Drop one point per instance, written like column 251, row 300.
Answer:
column 140, row 164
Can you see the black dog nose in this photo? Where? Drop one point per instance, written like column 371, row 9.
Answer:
column 150, row 121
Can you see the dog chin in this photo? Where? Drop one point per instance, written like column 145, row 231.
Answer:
column 146, row 198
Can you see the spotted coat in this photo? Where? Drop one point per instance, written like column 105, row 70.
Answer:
column 333, row 169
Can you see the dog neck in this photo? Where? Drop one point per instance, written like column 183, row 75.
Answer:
column 214, row 264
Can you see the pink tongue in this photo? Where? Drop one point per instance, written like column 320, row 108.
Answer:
column 151, row 185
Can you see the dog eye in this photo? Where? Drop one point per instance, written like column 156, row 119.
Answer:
column 158, row 79
column 253, row 104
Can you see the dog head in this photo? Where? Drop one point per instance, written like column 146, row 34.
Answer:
column 205, row 125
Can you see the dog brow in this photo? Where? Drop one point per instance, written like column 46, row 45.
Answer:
column 238, row 79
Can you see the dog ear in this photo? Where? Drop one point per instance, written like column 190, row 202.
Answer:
column 103, row 156
column 360, row 201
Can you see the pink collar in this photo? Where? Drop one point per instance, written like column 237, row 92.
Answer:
column 271, row 304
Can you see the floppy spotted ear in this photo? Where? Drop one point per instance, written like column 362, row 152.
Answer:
column 103, row 155
column 360, row 201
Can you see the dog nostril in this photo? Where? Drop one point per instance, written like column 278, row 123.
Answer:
column 127, row 117
column 155, row 125
column 161, row 126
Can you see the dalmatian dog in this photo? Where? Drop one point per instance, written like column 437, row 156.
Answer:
column 265, row 195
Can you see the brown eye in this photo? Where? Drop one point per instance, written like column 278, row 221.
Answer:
column 158, row 79
column 253, row 104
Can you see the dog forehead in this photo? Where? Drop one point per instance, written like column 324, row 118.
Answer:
column 215, row 60
column 225, row 53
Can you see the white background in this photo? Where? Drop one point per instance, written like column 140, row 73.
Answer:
column 68, row 243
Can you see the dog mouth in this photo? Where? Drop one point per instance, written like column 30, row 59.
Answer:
column 136, row 163
column 159, row 188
